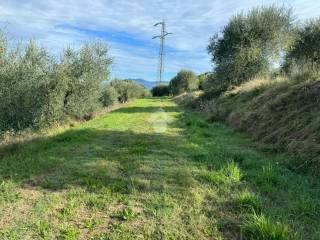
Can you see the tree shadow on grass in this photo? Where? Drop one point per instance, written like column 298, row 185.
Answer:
column 122, row 161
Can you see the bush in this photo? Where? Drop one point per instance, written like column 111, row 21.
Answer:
column 109, row 96
column 203, row 79
column 249, row 42
column 213, row 87
column 128, row 90
column 38, row 91
column 160, row 90
column 184, row 81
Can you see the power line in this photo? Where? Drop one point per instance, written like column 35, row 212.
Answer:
column 162, row 37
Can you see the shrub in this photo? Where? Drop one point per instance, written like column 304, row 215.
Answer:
column 213, row 86
column 204, row 80
column 160, row 90
column 109, row 96
column 184, row 81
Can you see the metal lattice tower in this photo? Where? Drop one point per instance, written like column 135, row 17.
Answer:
column 162, row 37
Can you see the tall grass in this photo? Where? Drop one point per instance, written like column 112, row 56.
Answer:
column 262, row 228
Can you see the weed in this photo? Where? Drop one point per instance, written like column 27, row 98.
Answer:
column 96, row 202
column 69, row 234
column 247, row 200
column 7, row 192
column 233, row 172
column 213, row 177
column 262, row 228
column 67, row 212
column 43, row 228
column 92, row 222
column 118, row 227
column 270, row 175
column 305, row 206
column 128, row 214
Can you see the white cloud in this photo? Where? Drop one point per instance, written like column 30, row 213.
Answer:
column 192, row 22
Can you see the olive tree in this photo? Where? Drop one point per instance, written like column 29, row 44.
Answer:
column 84, row 71
column 249, row 43
column 109, row 96
column 305, row 51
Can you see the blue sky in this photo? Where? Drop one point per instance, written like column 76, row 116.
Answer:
column 127, row 27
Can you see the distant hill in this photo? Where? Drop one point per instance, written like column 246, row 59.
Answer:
column 145, row 83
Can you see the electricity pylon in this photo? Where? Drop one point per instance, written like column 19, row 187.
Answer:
column 162, row 37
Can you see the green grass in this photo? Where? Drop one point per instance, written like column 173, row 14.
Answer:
column 260, row 227
column 247, row 200
column 115, row 177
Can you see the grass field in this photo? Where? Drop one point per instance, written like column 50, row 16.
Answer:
column 118, row 177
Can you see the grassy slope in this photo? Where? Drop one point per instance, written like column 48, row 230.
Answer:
column 284, row 115
column 116, row 178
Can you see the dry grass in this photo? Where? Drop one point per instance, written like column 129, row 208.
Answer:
column 256, row 84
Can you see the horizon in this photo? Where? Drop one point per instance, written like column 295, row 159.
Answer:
column 56, row 25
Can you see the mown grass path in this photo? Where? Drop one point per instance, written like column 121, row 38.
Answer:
column 118, row 177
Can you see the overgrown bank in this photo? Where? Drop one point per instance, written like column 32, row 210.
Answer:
column 285, row 114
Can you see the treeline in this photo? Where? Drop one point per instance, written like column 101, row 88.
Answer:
column 266, row 81
column 38, row 90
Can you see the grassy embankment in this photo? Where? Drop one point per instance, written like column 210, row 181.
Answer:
column 283, row 114
column 115, row 178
